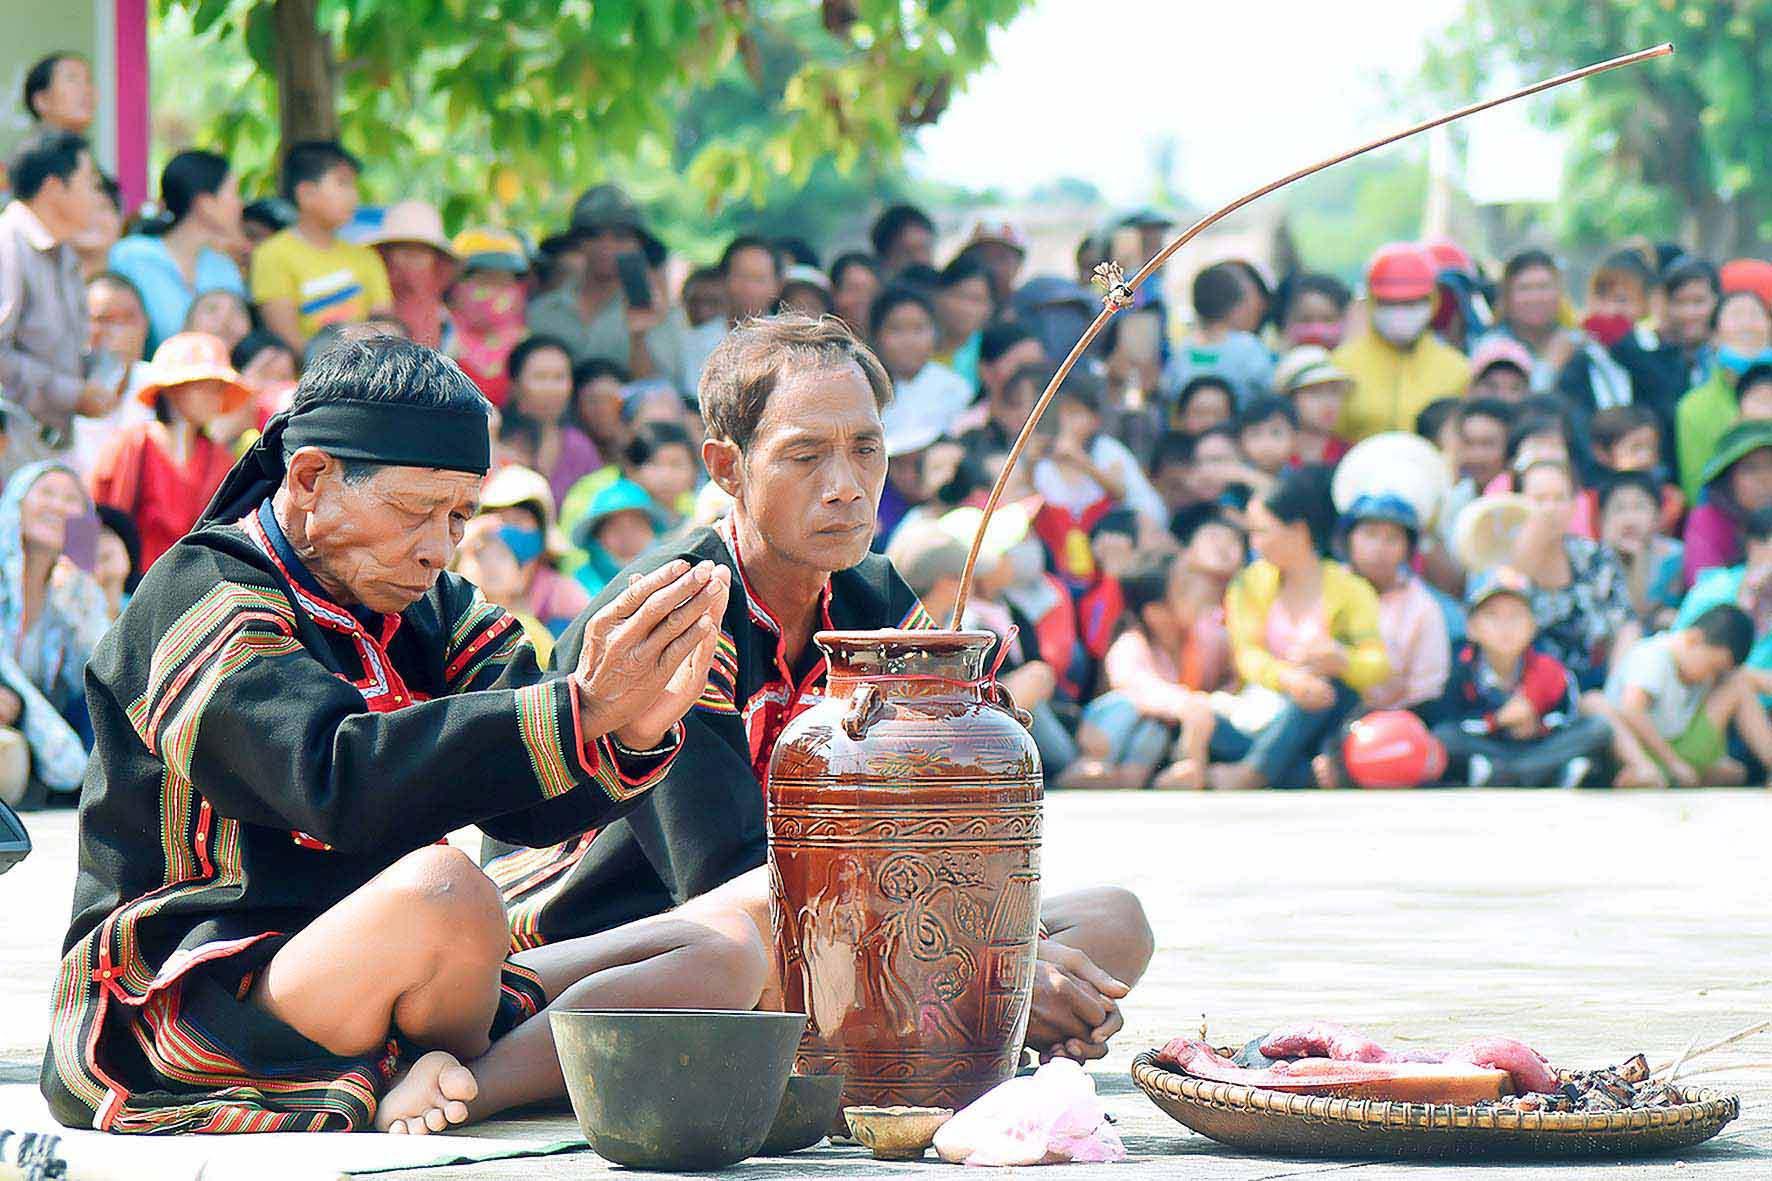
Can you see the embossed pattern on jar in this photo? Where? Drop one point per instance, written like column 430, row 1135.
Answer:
column 904, row 866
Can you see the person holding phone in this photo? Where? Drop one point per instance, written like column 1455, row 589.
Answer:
column 602, row 314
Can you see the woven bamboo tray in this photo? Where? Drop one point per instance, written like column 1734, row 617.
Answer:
column 1313, row 1125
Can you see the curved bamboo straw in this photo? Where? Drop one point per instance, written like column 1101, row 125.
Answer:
column 1119, row 293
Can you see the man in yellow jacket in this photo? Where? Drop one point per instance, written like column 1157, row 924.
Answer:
column 1398, row 366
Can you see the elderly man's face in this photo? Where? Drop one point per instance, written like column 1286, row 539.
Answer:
column 382, row 541
column 811, row 479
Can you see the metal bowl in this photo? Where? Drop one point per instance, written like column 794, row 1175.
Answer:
column 809, row 1110
column 686, row 1089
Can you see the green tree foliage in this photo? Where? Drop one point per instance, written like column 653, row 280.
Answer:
column 1674, row 148
column 506, row 108
column 1338, row 218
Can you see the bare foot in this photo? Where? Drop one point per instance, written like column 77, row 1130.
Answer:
column 1324, row 771
column 1183, row 775
column 1100, row 775
column 432, row 1094
column 1639, row 774
column 1233, row 777
column 1725, row 772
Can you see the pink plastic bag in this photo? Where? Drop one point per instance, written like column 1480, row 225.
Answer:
column 1050, row 1117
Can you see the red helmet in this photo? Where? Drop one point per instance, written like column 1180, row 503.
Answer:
column 1447, row 255
column 1401, row 272
column 1391, row 748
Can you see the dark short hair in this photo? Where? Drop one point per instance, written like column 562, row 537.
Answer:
column 999, row 336
column 1172, row 448
column 1619, row 481
column 745, row 368
column 1302, row 496
column 277, row 213
column 745, row 242
column 1528, row 425
column 44, row 155
column 119, row 522
column 919, row 276
column 1626, row 266
column 363, row 366
column 651, row 437
column 257, row 341
column 854, row 258
column 40, row 77
column 595, row 369
column 1529, row 259
column 894, row 221
column 960, row 270
column 1434, row 417
column 1728, row 627
column 1204, row 381
column 1756, row 374
column 1265, row 407
column 1612, row 424
column 890, row 300
column 1187, row 523
column 1688, row 269
column 1493, row 409
column 796, row 249
column 186, row 177
column 1083, row 388
column 311, row 160
column 1316, row 283
column 1219, row 289
column 1147, row 581
column 1758, row 525
column 528, row 347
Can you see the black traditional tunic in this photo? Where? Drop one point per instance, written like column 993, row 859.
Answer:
column 704, row 825
column 263, row 752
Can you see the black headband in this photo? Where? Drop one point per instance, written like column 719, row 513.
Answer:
column 398, row 434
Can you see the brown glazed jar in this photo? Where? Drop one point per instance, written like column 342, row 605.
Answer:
column 904, row 869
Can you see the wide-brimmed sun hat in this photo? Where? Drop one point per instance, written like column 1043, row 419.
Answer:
column 413, row 221
column 486, row 248
column 188, row 357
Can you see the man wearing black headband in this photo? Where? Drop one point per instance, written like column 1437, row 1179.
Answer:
column 298, row 705
column 794, row 435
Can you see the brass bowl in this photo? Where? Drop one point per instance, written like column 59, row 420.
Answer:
column 808, row 1111
column 1277, row 1123
column 896, row 1133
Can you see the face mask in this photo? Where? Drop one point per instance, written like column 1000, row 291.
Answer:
column 1738, row 362
column 1401, row 323
column 1607, row 329
column 1327, row 335
column 524, row 544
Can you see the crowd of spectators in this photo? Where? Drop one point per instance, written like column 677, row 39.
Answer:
column 1539, row 518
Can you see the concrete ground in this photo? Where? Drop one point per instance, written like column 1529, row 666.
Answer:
column 1591, row 925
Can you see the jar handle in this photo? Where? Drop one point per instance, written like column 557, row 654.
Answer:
column 864, row 707
column 998, row 695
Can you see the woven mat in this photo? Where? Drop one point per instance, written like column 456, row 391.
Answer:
column 284, row 1156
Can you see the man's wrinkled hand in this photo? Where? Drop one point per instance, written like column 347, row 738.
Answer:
column 631, row 668
column 686, row 684
column 1075, row 1006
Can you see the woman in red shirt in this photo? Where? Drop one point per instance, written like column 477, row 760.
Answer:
column 163, row 473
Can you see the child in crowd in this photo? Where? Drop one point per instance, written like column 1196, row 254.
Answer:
column 117, row 558
column 619, row 526
column 1267, row 431
column 267, row 367
column 1501, row 368
column 1535, row 437
column 486, row 305
column 484, row 559
column 1628, row 439
column 1630, row 523
column 1673, row 698
column 1228, row 308
column 306, row 277
column 1380, row 533
column 1084, row 468
column 1171, row 652
column 901, row 325
column 1748, row 585
column 1314, row 312
column 540, row 369
column 1753, row 394
column 1113, row 543
column 1172, row 473
column 1318, row 388
column 1222, row 475
column 1508, row 716
column 222, row 314
column 661, row 459
column 163, row 473
column 1204, row 402
column 1438, row 424
column 522, row 501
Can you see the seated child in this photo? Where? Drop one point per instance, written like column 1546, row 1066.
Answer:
column 620, row 525
column 1228, row 310
column 1267, row 431
column 1478, row 457
column 1171, row 652
column 1081, row 473
column 1673, row 697
column 1501, row 368
column 1748, row 585
column 1172, row 473
column 1438, row 424
column 1222, row 474
column 1627, row 439
column 1508, row 716
column 1318, row 388
column 1380, row 533
column 1535, row 436
column 1631, row 523
column 1204, row 402
column 1113, row 542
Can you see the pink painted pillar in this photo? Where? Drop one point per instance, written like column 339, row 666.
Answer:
column 132, row 100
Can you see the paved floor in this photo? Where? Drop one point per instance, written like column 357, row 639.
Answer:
column 1591, row 925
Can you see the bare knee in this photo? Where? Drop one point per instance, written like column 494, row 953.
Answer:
column 1121, row 912
column 733, row 961
column 1109, row 924
column 444, row 903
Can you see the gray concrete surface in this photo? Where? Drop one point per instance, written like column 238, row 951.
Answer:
column 1591, row 925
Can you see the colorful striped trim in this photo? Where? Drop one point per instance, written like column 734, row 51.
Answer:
column 918, row 620
column 494, row 646
column 538, row 725
column 528, row 879
column 171, row 656
column 721, row 692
